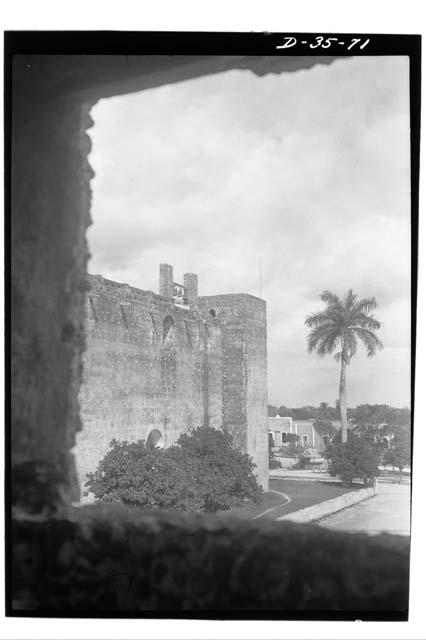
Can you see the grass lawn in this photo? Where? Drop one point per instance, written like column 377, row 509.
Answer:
column 303, row 493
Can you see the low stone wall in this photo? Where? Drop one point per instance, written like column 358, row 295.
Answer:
column 326, row 508
column 114, row 559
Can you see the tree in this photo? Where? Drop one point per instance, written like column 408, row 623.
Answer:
column 370, row 432
column 323, row 411
column 325, row 429
column 377, row 414
column 290, row 438
column 355, row 458
column 399, row 454
column 273, row 462
column 202, row 472
column 223, row 475
column 303, row 413
column 336, row 331
column 294, row 449
column 373, row 434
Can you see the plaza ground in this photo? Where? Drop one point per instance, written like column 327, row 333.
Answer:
column 386, row 512
column 287, row 495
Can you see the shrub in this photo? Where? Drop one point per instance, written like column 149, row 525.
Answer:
column 302, row 462
column 399, row 453
column 223, row 475
column 373, row 434
column 293, row 450
column 291, row 438
column 202, row 472
column 356, row 458
column 273, row 462
column 325, row 429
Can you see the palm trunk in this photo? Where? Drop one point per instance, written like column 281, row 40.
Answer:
column 342, row 401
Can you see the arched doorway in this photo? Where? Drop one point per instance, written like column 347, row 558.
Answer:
column 155, row 439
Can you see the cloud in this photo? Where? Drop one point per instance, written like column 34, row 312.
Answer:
column 308, row 170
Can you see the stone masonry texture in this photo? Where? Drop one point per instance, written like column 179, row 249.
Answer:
column 243, row 321
column 166, row 280
column 151, row 365
column 108, row 559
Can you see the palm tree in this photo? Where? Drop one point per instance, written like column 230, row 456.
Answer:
column 336, row 330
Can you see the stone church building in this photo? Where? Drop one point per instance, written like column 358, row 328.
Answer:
column 159, row 365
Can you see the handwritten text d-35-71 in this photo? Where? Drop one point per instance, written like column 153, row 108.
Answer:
column 325, row 43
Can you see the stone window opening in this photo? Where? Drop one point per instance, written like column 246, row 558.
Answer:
column 168, row 326
column 53, row 105
column 155, row 439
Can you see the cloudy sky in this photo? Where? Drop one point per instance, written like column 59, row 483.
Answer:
column 307, row 171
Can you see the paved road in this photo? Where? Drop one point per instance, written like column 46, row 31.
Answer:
column 388, row 511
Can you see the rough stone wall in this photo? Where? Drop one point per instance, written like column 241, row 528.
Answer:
column 213, row 373
column 134, row 381
column 111, row 559
column 257, row 386
column 50, row 212
column 190, row 283
column 243, row 321
column 209, row 370
column 166, row 280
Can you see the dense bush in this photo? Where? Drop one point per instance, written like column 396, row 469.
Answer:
column 202, row 472
column 356, row 458
column 302, row 462
column 373, row 434
column 325, row 429
column 399, row 452
column 292, row 450
column 274, row 463
column 290, row 438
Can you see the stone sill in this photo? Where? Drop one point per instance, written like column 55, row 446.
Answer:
column 115, row 559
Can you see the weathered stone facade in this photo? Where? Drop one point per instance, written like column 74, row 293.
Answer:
column 157, row 366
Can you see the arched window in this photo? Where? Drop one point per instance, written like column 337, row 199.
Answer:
column 168, row 325
column 155, row 439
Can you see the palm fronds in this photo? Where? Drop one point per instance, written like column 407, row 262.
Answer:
column 341, row 324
